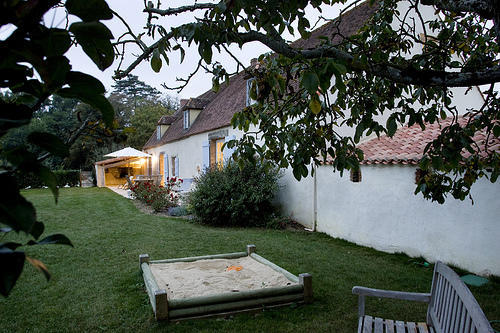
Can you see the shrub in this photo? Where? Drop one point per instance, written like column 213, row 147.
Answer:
column 158, row 197
column 230, row 196
column 178, row 211
column 67, row 177
column 63, row 178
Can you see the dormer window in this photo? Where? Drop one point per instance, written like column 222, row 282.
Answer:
column 251, row 84
column 186, row 119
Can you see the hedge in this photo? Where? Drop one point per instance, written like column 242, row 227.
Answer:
column 63, row 177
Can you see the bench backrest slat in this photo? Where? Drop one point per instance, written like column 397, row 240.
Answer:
column 453, row 308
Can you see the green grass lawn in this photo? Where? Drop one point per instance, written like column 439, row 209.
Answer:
column 97, row 285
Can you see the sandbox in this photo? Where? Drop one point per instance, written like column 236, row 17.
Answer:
column 221, row 284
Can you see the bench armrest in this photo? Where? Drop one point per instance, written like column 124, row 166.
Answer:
column 407, row 296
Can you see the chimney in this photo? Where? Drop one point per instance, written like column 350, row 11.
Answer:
column 183, row 102
column 254, row 62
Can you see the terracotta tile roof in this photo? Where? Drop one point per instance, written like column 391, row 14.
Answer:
column 408, row 144
column 219, row 108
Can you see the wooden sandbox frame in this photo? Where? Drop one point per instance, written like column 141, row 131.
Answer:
column 226, row 303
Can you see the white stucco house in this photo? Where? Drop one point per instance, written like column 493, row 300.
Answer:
column 376, row 208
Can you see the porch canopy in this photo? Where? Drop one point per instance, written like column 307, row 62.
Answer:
column 128, row 152
column 124, row 162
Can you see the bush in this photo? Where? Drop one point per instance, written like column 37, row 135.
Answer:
column 230, row 196
column 67, row 177
column 178, row 211
column 158, row 197
column 63, row 178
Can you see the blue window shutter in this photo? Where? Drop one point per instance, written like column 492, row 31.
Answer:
column 176, row 166
column 228, row 152
column 205, row 147
column 165, row 165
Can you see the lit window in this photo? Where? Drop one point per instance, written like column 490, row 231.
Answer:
column 219, row 153
column 216, row 153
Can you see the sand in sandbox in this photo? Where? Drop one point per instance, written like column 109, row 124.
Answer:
column 209, row 277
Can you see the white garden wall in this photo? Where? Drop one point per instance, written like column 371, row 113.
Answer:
column 382, row 212
column 296, row 199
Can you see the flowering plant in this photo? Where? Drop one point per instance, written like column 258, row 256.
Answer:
column 157, row 196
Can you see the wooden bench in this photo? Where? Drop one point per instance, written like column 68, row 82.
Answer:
column 452, row 308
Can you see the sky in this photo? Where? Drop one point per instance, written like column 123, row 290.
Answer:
column 131, row 11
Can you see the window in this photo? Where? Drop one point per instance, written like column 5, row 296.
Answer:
column 158, row 132
column 356, row 176
column 251, row 84
column 216, row 152
column 186, row 119
column 219, row 154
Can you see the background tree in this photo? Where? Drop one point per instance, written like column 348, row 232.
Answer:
column 129, row 92
column 145, row 119
column 33, row 67
column 386, row 66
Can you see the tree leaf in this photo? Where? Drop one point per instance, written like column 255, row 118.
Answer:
column 54, row 70
column 85, row 83
column 315, row 104
column 496, row 131
column 156, row 61
column 10, row 245
column 310, row 81
column 37, row 229
column 39, row 266
column 53, row 41
column 49, row 178
column 89, row 10
column 391, row 126
column 95, row 40
column 55, row 239
column 49, row 142
column 183, row 54
column 15, row 210
column 12, row 263
column 13, row 115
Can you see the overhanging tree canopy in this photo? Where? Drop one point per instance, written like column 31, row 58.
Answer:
column 399, row 62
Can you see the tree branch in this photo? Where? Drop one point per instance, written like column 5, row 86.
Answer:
column 394, row 73
column 485, row 8
column 178, row 10
column 145, row 54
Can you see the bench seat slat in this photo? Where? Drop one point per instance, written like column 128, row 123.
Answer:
column 378, row 325
column 422, row 328
column 400, row 327
column 389, row 326
column 368, row 324
column 452, row 308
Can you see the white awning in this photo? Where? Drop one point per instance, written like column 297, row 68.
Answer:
column 128, row 152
